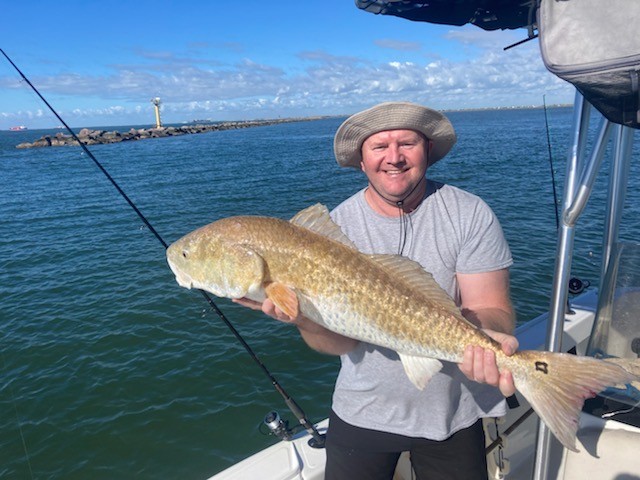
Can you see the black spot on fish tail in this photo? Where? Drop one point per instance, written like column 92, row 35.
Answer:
column 542, row 367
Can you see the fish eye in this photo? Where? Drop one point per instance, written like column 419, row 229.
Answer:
column 185, row 254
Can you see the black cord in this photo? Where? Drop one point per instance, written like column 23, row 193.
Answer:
column 403, row 217
column 553, row 177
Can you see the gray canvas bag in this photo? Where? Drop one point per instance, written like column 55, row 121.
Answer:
column 595, row 45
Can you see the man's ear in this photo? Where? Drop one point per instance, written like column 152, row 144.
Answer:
column 429, row 147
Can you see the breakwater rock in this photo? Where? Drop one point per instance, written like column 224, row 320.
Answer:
column 96, row 137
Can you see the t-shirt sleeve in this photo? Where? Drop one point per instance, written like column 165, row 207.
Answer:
column 484, row 247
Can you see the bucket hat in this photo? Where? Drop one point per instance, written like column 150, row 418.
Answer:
column 347, row 143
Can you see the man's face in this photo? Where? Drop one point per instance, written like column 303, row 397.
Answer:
column 395, row 161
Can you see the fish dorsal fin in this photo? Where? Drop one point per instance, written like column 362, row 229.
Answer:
column 316, row 218
column 416, row 276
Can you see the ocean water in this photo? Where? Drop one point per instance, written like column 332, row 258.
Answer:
column 108, row 369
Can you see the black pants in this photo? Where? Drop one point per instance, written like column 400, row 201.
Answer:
column 355, row 453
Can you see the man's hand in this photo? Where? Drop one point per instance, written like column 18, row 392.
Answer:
column 479, row 364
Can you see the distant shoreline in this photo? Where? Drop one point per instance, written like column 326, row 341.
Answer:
column 249, row 123
column 100, row 137
column 531, row 107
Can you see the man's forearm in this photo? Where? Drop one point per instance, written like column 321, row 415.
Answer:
column 496, row 319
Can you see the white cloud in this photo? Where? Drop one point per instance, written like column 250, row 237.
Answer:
column 321, row 84
column 397, row 44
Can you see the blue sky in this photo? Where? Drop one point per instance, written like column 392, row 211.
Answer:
column 100, row 63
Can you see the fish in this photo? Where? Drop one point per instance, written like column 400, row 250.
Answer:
column 308, row 266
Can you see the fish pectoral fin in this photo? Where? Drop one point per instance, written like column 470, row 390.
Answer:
column 420, row 369
column 284, row 298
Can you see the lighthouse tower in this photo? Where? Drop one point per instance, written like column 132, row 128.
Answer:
column 156, row 106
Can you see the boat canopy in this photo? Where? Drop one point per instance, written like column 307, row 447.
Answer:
column 486, row 14
column 590, row 43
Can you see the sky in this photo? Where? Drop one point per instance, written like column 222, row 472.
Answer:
column 101, row 63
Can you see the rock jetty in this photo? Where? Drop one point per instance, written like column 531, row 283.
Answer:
column 96, row 137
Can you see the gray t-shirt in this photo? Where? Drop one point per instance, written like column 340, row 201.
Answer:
column 451, row 232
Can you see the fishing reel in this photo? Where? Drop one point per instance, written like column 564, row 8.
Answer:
column 280, row 428
column 576, row 287
column 277, row 426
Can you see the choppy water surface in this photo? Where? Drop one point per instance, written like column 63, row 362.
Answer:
column 110, row 370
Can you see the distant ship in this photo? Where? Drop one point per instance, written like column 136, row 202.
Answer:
column 19, row 128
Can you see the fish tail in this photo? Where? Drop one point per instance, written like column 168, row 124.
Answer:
column 557, row 384
column 631, row 366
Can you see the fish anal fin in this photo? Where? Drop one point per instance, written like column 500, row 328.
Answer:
column 284, row 298
column 416, row 276
column 420, row 370
column 317, row 219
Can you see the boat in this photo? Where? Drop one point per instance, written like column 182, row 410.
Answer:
column 601, row 322
column 18, row 128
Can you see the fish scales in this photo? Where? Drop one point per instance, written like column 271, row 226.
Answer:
column 307, row 265
column 356, row 288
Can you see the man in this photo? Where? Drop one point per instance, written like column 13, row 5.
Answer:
column 377, row 412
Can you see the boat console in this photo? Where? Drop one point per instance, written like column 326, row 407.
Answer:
column 616, row 331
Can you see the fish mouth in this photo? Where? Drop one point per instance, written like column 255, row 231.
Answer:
column 183, row 279
column 183, row 282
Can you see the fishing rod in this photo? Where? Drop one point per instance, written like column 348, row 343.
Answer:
column 318, row 439
column 553, row 176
